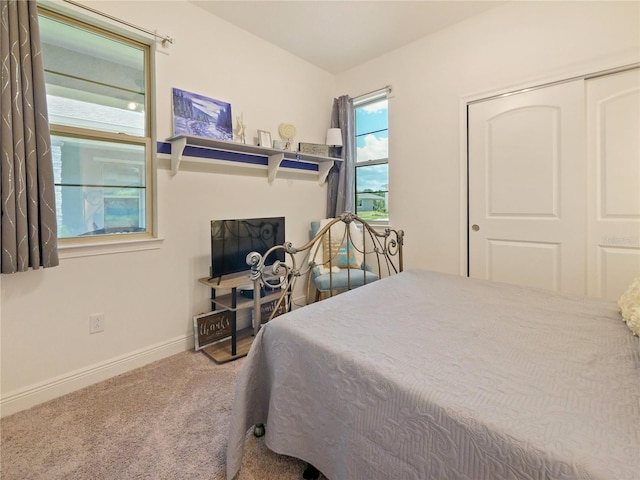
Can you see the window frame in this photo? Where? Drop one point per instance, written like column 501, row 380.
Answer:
column 84, row 245
column 359, row 102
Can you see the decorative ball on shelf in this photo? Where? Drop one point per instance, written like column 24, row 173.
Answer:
column 287, row 131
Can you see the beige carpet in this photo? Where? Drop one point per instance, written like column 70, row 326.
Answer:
column 167, row 420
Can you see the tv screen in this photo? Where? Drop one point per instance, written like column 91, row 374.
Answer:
column 233, row 240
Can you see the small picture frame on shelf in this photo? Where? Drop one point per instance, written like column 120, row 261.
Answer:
column 280, row 144
column 264, row 138
column 314, row 149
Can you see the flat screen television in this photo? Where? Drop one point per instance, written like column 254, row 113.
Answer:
column 233, row 240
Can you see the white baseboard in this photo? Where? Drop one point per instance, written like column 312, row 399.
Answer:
column 48, row 390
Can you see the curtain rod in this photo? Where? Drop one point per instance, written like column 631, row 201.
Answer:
column 386, row 88
column 165, row 38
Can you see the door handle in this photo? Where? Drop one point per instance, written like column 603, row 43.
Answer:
column 475, row 227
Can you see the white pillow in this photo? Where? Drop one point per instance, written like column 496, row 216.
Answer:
column 629, row 305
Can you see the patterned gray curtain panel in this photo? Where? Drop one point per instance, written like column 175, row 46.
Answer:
column 28, row 232
column 340, row 181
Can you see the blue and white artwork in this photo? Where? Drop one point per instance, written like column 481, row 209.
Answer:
column 201, row 116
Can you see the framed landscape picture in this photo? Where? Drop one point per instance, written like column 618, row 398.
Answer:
column 201, row 116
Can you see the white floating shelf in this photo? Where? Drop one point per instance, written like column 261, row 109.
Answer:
column 274, row 157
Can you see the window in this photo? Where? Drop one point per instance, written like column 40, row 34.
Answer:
column 372, row 157
column 97, row 96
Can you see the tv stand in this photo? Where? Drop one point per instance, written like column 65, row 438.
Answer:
column 237, row 344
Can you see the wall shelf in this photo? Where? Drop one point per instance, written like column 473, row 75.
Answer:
column 274, row 157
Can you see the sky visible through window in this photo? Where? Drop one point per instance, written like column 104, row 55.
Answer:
column 372, row 142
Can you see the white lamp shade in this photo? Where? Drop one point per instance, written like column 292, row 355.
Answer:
column 334, row 137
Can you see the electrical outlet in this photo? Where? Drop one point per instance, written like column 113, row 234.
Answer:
column 96, row 323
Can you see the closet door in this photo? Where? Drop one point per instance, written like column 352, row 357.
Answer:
column 527, row 188
column 613, row 201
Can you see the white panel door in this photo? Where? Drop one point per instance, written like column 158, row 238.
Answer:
column 527, row 187
column 613, row 160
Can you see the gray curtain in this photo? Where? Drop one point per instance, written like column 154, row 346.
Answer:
column 28, row 231
column 341, row 178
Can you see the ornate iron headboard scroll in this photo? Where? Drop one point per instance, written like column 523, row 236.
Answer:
column 346, row 253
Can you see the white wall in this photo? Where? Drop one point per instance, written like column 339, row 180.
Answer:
column 516, row 45
column 150, row 296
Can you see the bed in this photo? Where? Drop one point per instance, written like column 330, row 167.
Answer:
column 424, row 375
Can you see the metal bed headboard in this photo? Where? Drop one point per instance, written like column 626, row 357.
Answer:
column 379, row 251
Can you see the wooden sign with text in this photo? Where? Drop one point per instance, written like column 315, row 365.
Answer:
column 210, row 327
column 314, row 149
column 266, row 309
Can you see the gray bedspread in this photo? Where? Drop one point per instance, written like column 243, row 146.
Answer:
column 432, row 376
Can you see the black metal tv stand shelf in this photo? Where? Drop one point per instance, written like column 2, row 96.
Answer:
column 274, row 157
column 232, row 301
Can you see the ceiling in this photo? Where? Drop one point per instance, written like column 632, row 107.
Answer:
column 337, row 35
